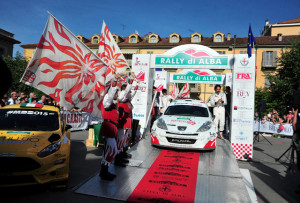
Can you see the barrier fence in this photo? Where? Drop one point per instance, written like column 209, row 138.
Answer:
column 270, row 127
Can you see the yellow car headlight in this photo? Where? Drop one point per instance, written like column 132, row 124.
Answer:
column 50, row 149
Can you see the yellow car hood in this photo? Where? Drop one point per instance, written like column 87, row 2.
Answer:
column 20, row 142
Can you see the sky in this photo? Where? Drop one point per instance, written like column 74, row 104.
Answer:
column 27, row 18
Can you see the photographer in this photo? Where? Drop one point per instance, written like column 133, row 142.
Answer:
column 296, row 128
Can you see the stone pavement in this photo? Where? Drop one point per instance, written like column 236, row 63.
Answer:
column 272, row 180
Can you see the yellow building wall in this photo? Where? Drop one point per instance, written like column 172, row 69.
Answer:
column 27, row 53
column 155, row 51
column 261, row 74
column 293, row 30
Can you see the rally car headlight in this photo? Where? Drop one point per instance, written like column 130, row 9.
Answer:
column 161, row 124
column 50, row 149
column 205, row 127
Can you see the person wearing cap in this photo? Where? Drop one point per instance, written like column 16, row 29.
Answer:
column 109, row 129
column 218, row 101
column 290, row 117
column 125, row 121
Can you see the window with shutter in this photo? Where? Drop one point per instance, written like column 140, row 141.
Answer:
column 268, row 59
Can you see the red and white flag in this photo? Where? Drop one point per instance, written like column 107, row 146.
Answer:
column 111, row 54
column 175, row 91
column 67, row 70
column 185, row 92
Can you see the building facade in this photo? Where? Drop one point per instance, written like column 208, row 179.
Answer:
column 276, row 38
column 7, row 42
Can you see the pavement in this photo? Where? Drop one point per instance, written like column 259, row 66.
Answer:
column 271, row 179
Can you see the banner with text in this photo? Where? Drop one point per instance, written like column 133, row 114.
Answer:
column 204, row 76
column 192, row 56
column 243, row 92
column 78, row 120
column 142, row 100
column 161, row 79
column 270, row 127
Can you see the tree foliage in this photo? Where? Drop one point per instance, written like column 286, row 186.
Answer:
column 284, row 82
column 17, row 66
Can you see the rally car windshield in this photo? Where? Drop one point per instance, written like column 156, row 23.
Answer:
column 186, row 110
column 28, row 120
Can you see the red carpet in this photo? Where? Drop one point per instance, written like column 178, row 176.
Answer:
column 171, row 178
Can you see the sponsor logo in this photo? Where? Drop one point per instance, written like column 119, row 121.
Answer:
column 165, row 188
column 243, row 93
column 244, row 76
column 244, row 61
column 8, row 154
column 138, row 62
column 181, row 128
column 237, row 120
column 138, row 115
column 140, row 76
column 245, row 108
column 190, row 122
column 184, row 119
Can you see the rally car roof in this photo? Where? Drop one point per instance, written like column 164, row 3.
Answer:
column 189, row 102
column 18, row 106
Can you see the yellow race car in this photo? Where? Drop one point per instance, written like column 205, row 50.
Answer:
column 34, row 145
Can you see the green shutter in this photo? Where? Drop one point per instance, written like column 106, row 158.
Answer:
column 274, row 59
column 264, row 59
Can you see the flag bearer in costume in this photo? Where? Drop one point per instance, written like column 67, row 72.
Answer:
column 125, row 121
column 109, row 129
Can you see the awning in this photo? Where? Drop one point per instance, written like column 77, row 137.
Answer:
column 129, row 51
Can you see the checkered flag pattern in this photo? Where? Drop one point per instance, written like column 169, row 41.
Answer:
column 240, row 150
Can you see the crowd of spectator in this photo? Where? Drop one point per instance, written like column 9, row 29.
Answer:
column 19, row 98
column 274, row 117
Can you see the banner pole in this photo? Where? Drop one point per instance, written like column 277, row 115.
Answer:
column 150, row 111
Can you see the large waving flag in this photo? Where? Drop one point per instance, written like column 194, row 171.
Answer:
column 111, row 54
column 185, row 92
column 67, row 70
column 251, row 42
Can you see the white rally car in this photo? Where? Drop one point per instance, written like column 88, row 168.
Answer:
column 185, row 124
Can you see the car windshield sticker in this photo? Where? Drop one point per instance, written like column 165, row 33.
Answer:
column 42, row 113
column 190, row 122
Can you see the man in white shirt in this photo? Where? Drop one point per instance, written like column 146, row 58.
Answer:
column 218, row 101
column 13, row 99
column 164, row 101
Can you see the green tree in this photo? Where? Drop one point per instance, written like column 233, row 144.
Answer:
column 286, row 80
column 17, row 66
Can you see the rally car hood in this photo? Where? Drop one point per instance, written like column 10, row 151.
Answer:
column 16, row 143
column 184, row 124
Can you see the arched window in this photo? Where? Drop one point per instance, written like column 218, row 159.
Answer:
column 218, row 38
column 79, row 38
column 153, row 39
column 174, row 39
column 95, row 40
column 133, row 39
column 196, row 38
column 115, row 38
